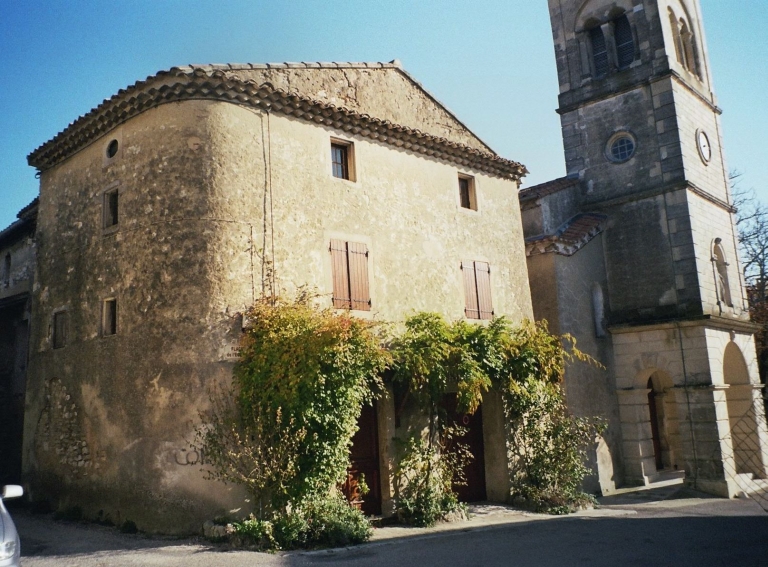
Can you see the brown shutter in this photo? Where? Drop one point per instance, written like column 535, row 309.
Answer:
column 340, row 269
column 470, row 290
column 359, row 293
column 483, row 277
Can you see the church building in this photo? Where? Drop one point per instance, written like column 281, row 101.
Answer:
column 634, row 252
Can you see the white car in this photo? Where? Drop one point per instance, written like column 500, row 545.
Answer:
column 10, row 548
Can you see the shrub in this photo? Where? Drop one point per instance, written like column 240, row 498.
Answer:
column 322, row 522
column 284, row 428
column 424, row 478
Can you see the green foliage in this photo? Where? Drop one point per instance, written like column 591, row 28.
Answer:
column 548, row 447
column 284, row 429
column 321, row 522
column 526, row 364
column 425, row 478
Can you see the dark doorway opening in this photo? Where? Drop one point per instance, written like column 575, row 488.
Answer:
column 364, row 464
column 655, row 429
column 14, row 340
column 474, row 471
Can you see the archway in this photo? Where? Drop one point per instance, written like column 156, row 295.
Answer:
column 742, row 417
column 658, row 410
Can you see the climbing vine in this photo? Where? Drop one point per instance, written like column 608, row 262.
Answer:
column 285, row 427
column 526, row 364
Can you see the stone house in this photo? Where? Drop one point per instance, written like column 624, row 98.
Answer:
column 17, row 254
column 635, row 253
column 172, row 206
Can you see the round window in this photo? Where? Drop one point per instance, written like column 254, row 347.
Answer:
column 112, row 149
column 621, row 147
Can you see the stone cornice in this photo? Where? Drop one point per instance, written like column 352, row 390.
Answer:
column 179, row 85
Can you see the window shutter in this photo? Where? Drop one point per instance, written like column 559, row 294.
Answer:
column 483, row 279
column 340, row 269
column 625, row 45
column 599, row 51
column 359, row 293
column 471, row 310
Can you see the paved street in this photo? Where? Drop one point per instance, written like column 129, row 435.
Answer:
column 671, row 526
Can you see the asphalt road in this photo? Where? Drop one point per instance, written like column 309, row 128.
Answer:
column 674, row 527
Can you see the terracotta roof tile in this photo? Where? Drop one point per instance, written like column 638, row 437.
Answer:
column 214, row 82
column 548, row 188
column 571, row 237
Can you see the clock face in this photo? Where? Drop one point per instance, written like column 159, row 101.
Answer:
column 705, row 148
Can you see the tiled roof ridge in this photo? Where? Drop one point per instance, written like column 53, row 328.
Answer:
column 570, row 237
column 548, row 187
column 213, row 82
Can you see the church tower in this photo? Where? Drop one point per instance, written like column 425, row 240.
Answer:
column 642, row 226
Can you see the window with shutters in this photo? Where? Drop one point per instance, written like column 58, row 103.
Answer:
column 60, row 323
column 467, row 196
column 349, row 265
column 342, row 159
column 477, row 290
column 109, row 317
column 599, row 52
column 625, row 44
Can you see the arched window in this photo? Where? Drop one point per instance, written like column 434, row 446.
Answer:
column 721, row 273
column 686, row 49
column 598, row 310
column 599, row 51
column 625, row 45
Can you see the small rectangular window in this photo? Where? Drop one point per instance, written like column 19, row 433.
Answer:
column 349, row 264
column 477, row 290
column 343, row 160
column 60, row 329
column 7, row 270
column 111, row 208
column 467, row 195
column 109, row 317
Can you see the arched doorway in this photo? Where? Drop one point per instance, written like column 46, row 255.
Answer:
column 742, row 417
column 655, row 425
column 662, row 417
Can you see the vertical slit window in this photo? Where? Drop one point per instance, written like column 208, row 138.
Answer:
column 467, row 195
column 7, row 270
column 349, row 264
column 599, row 52
column 60, row 329
column 477, row 290
column 109, row 317
column 111, row 209
column 340, row 161
column 625, row 44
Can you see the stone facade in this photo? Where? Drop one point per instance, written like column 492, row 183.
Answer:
column 17, row 257
column 170, row 208
column 653, row 286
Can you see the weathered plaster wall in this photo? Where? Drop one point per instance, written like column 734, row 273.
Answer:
column 125, row 403
column 382, row 91
column 19, row 279
column 591, row 391
column 217, row 202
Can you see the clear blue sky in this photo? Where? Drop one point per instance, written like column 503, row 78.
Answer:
column 490, row 61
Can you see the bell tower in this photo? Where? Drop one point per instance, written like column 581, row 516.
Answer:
column 645, row 165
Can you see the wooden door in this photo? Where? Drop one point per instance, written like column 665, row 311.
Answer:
column 364, row 461
column 474, row 471
column 655, row 433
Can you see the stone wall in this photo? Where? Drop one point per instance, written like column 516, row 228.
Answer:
column 218, row 204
